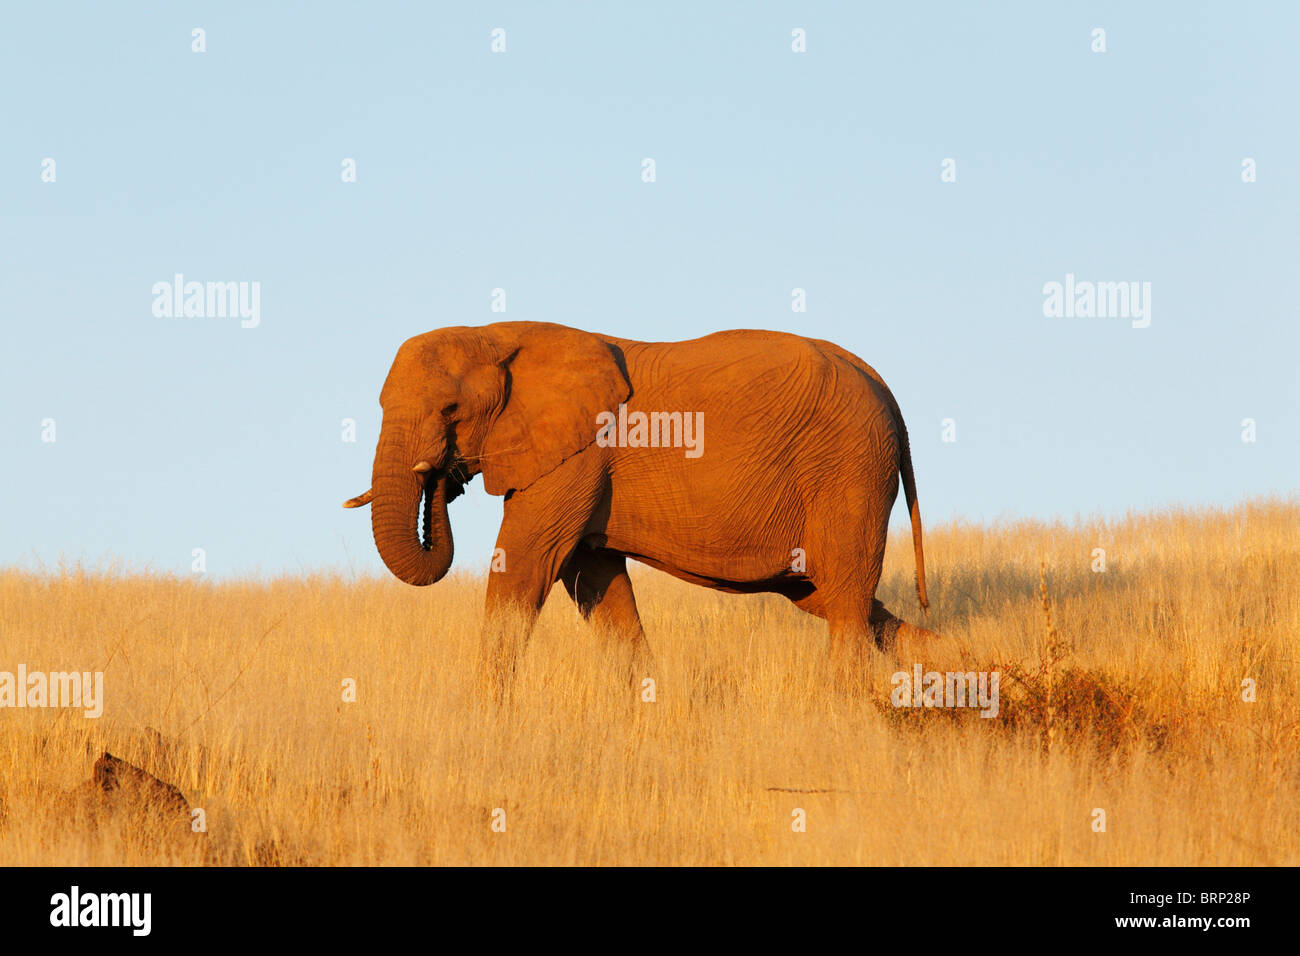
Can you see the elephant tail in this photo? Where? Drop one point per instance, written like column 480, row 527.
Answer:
column 913, row 508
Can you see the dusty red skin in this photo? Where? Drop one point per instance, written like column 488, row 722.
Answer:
column 799, row 450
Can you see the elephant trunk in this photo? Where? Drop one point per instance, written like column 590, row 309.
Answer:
column 398, row 493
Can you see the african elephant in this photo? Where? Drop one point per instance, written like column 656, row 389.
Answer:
column 598, row 445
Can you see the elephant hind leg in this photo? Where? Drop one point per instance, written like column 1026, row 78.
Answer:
column 857, row 623
column 850, row 646
column 892, row 633
column 884, row 626
column 597, row 581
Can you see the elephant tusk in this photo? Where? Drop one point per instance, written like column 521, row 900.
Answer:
column 422, row 467
column 360, row 500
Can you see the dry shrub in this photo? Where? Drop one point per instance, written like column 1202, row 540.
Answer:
column 1088, row 708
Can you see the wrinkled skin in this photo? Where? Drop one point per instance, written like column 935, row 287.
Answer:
column 803, row 449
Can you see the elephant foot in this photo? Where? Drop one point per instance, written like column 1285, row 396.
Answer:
column 911, row 632
column 640, row 678
column 495, row 681
column 913, row 642
column 899, row 637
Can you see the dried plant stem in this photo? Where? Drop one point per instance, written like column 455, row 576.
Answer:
column 1049, row 662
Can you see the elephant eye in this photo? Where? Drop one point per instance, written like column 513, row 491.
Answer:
column 450, row 408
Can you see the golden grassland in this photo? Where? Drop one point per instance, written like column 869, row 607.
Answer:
column 1131, row 703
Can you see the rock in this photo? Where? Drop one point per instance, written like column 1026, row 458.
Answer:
column 128, row 784
column 124, row 794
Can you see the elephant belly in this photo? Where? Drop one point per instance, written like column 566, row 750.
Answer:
column 708, row 532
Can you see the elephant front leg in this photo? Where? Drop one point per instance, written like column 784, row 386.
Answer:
column 514, row 599
column 508, row 620
column 541, row 528
column 598, row 583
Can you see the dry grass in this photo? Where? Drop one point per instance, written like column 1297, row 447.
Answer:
column 1132, row 704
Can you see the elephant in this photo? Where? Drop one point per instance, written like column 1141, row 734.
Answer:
column 597, row 444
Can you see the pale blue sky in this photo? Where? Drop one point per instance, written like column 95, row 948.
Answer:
column 522, row 170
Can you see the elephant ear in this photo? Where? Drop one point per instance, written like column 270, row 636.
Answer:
column 557, row 380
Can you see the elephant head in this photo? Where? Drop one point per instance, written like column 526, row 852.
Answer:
column 511, row 401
